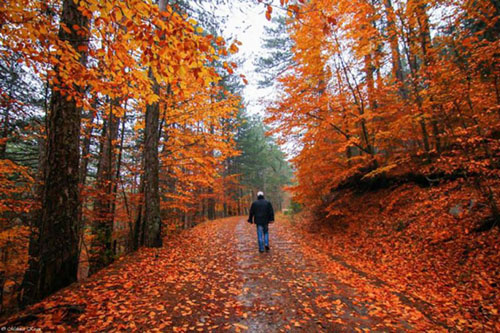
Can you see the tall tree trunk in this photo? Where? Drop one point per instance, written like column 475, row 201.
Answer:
column 397, row 70
column 425, row 135
column 152, row 219
column 101, row 250
column 5, row 131
column 425, row 45
column 54, row 247
column 411, row 54
column 138, row 240
column 84, row 161
column 152, row 216
column 114, row 193
column 211, row 204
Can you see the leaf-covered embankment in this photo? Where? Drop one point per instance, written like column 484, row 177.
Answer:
column 421, row 241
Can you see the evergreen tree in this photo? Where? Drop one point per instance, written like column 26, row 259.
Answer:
column 262, row 164
column 278, row 56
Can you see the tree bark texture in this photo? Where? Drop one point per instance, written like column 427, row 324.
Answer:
column 152, row 218
column 54, row 246
column 101, row 250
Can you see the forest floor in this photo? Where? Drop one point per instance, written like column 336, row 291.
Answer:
column 212, row 278
column 423, row 243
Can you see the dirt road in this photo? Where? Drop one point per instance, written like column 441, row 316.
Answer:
column 212, row 278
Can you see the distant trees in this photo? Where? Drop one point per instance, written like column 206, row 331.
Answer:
column 261, row 164
column 278, row 56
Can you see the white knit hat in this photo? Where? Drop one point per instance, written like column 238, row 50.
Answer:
column 260, row 193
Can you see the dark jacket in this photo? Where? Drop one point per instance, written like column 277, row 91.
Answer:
column 261, row 212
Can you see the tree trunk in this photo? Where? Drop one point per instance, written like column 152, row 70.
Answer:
column 53, row 249
column 138, row 240
column 436, row 132
column 5, row 132
column 211, row 204
column 152, row 219
column 372, row 102
column 101, row 250
column 118, row 177
column 84, row 161
column 411, row 54
column 397, row 70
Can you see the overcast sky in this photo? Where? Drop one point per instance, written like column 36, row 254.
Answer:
column 246, row 22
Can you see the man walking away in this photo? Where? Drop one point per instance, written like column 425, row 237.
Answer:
column 262, row 213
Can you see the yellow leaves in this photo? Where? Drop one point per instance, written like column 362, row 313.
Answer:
column 241, row 326
column 118, row 15
column 379, row 171
column 227, row 67
column 182, row 71
column 14, row 181
column 220, row 41
column 139, row 126
column 152, row 98
column 126, row 12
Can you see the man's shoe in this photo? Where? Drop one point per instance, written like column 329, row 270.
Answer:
column 261, row 251
column 267, row 248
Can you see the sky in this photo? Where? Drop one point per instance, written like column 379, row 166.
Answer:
column 246, row 22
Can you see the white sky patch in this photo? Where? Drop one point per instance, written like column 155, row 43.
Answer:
column 246, row 22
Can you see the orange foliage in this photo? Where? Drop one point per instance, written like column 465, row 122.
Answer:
column 380, row 95
column 132, row 46
column 408, row 238
column 377, row 87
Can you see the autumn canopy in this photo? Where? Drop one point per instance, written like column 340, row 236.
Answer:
column 124, row 123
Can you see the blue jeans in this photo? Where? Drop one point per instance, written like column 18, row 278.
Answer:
column 263, row 235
